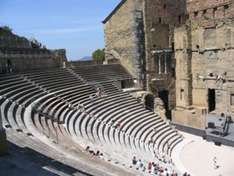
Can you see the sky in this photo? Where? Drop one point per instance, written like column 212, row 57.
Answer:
column 75, row 25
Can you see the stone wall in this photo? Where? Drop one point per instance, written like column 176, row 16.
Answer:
column 214, row 58
column 160, row 19
column 123, row 37
column 84, row 63
column 198, row 36
column 18, row 54
column 208, row 13
column 204, row 50
column 9, row 39
column 137, row 32
column 21, row 59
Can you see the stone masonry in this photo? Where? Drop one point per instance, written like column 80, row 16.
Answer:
column 19, row 54
column 160, row 19
column 204, row 60
column 140, row 35
column 124, row 37
column 188, row 53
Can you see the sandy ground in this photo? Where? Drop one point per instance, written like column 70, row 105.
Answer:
column 198, row 158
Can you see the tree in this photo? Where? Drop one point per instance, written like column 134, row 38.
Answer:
column 6, row 28
column 99, row 55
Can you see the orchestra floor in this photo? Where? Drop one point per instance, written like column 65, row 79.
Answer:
column 199, row 156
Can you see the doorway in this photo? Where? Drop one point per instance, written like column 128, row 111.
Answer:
column 9, row 66
column 211, row 100
column 164, row 96
column 149, row 102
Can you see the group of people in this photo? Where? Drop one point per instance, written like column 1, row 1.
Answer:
column 80, row 106
column 152, row 168
column 93, row 153
column 163, row 158
column 98, row 94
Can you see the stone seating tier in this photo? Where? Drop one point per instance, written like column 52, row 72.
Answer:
column 60, row 105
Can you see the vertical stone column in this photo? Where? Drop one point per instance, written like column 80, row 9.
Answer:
column 183, row 67
column 165, row 63
column 3, row 142
column 159, row 64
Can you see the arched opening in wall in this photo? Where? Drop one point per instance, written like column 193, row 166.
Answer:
column 9, row 66
column 149, row 102
column 159, row 20
column 123, row 84
column 214, row 11
column 127, row 84
column 179, row 19
column 164, row 96
column 2, row 66
column 211, row 100
column 173, row 46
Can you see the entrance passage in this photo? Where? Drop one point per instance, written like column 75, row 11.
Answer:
column 211, row 100
column 149, row 102
column 164, row 96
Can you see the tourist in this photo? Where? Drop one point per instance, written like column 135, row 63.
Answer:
column 92, row 152
column 97, row 153
column 69, row 106
column 151, row 141
column 174, row 173
column 138, row 164
column 152, row 167
column 87, row 149
column 64, row 64
column 98, row 92
column 9, row 66
column 215, row 163
column 118, row 125
column 112, row 122
column 101, row 156
column 134, row 161
column 149, row 167
column 91, row 115
column 91, row 98
column 82, row 108
column 155, row 130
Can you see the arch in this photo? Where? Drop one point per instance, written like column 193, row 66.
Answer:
column 164, row 96
column 149, row 101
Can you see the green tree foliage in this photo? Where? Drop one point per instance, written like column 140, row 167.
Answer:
column 5, row 29
column 99, row 55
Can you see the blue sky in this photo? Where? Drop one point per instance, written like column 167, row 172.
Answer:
column 71, row 24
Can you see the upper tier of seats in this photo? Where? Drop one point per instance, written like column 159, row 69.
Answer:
column 102, row 73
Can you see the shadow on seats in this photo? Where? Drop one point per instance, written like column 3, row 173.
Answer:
column 34, row 163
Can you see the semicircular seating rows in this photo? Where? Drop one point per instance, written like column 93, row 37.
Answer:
column 61, row 103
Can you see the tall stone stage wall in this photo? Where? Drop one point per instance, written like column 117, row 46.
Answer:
column 204, row 54
column 198, row 36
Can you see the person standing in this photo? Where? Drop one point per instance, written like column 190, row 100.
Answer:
column 149, row 167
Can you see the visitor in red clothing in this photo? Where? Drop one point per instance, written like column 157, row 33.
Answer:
column 149, row 167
